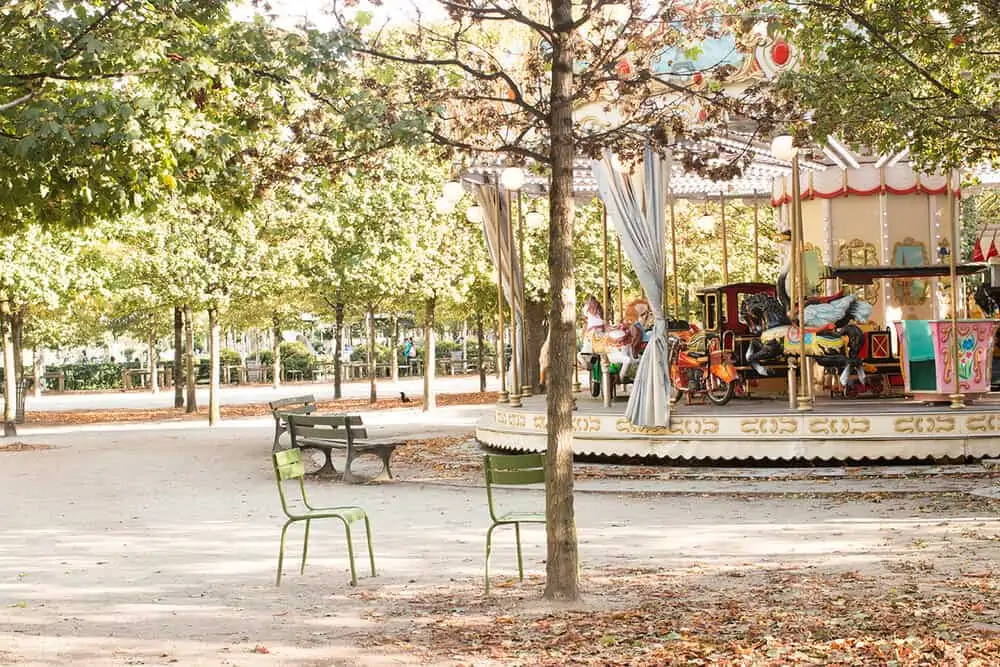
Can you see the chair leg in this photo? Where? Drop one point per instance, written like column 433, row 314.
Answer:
column 305, row 548
column 350, row 554
column 371, row 553
column 520, row 563
column 281, row 551
column 489, row 544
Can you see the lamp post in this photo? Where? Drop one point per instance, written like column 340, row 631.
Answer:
column 783, row 147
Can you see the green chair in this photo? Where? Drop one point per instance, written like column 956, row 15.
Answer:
column 521, row 469
column 288, row 466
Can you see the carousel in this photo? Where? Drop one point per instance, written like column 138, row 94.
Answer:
column 863, row 349
column 885, row 367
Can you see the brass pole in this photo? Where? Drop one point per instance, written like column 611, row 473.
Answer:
column 504, row 396
column 756, row 238
column 621, row 287
column 957, row 403
column 798, row 248
column 515, row 376
column 525, row 385
column 604, row 240
column 673, row 249
column 725, row 251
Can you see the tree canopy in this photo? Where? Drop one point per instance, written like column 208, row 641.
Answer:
column 900, row 74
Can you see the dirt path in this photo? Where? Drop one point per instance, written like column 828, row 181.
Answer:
column 156, row 544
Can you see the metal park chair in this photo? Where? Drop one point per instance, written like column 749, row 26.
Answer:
column 288, row 466
column 520, row 470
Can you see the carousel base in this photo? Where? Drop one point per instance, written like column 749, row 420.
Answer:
column 762, row 429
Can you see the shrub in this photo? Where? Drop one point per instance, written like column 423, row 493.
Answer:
column 296, row 356
column 229, row 357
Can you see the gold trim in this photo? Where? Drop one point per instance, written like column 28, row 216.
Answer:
column 839, row 425
column 924, row 424
column 769, row 426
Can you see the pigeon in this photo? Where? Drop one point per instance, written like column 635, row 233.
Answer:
column 403, row 397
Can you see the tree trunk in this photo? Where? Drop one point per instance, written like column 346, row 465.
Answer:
column 480, row 352
column 534, row 315
column 37, row 370
column 394, row 351
column 17, row 338
column 178, row 368
column 214, row 409
column 9, row 375
column 154, row 375
column 276, row 349
column 191, row 405
column 562, row 564
column 372, row 389
column 338, row 348
column 430, row 355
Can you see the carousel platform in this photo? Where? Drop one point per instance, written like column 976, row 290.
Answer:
column 762, row 429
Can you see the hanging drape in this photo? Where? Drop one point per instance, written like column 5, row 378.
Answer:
column 498, row 232
column 636, row 205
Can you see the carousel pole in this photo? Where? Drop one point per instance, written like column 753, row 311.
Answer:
column 725, row 250
column 756, row 238
column 673, row 250
column 501, row 356
column 804, row 400
column 515, row 377
column 525, row 385
column 621, row 287
column 957, row 402
column 604, row 242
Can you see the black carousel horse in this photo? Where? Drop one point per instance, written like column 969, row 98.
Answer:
column 983, row 296
column 836, row 345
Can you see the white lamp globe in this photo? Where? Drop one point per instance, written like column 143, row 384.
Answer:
column 705, row 224
column 444, row 206
column 453, row 191
column 512, row 178
column 783, row 147
column 474, row 214
column 534, row 219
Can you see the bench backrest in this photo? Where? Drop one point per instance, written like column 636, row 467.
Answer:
column 299, row 401
column 327, row 427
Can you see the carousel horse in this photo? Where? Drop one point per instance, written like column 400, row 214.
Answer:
column 983, row 298
column 832, row 339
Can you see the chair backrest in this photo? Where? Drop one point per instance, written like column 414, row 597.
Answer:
column 512, row 469
column 326, row 427
column 301, row 402
column 288, row 465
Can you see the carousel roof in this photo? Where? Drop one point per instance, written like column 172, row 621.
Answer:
column 758, row 179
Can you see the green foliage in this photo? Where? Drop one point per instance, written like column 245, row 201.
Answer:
column 229, row 357
column 915, row 74
column 296, row 356
column 90, row 376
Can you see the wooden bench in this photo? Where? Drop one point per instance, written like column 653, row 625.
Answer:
column 293, row 405
column 329, row 432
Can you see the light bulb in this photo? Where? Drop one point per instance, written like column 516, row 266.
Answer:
column 453, row 191
column 512, row 178
column 444, row 206
column 474, row 214
column 783, row 147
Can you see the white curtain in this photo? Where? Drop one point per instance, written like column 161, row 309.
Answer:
column 499, row 233
column 636, row 205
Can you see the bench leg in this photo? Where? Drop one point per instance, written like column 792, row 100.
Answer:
column 328, row 468
column 386, row 454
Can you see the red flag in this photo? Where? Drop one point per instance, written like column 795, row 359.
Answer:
column 977, row 252
column 993, row 250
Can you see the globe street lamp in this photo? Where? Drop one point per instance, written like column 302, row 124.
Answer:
column 783, row 148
